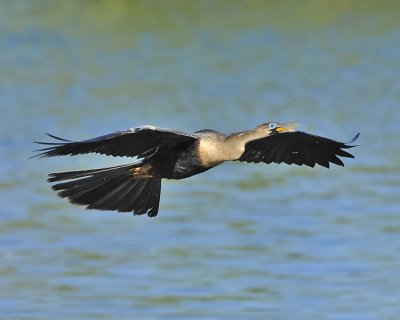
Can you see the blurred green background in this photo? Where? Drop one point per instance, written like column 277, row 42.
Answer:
column 238, row 242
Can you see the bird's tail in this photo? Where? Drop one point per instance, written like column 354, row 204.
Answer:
column 114, row 188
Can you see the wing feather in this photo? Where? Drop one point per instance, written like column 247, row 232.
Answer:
column 140, row 141
column 298, row 148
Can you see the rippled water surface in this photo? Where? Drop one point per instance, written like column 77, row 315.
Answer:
column 238, row 242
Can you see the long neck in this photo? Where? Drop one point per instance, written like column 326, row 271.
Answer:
column 245, row 136
column 234, row 144
column 216, row 148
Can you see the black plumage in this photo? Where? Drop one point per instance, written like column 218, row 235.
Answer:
column 298, row 148
column 171, row 154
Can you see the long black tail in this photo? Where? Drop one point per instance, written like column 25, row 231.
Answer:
column 113, row 188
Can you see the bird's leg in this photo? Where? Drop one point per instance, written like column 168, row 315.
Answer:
column 143, row 172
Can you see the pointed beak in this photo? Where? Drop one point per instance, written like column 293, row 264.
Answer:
column 288, row 127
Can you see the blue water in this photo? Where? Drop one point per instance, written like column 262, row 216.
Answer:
column 241, row 241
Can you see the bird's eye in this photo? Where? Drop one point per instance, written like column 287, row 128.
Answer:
column 272, row 126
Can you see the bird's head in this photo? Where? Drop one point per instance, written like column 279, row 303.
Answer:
column 275, row 127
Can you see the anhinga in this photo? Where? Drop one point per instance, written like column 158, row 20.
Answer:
column 171, row 154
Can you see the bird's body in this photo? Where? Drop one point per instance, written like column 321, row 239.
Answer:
column 170, row 154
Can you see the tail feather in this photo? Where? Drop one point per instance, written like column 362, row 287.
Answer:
column 148, row 198
column 114, row 195
column 136, row 197
column 113, row 188
column 91, row 185
column 90, row 190
column 125, row 200
column 155, row 195
column 83, row 173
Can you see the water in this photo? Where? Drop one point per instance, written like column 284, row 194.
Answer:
column 240, row 241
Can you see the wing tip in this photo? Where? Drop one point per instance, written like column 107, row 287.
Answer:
column 354, row 138
column 57, row 138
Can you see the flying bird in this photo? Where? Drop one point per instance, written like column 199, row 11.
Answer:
column 171, row 154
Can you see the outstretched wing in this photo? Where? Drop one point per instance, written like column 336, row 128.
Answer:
column 141, row 141
column 297, row 148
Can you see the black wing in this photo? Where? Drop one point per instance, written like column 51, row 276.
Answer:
column 297, row 148
column 141, row 141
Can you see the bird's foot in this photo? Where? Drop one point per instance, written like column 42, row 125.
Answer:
column 142, row 172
